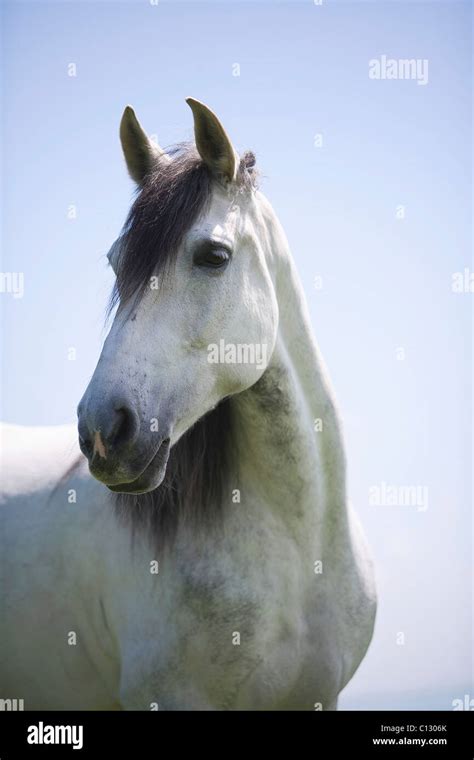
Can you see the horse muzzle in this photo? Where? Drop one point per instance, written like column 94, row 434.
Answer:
column 120, row 455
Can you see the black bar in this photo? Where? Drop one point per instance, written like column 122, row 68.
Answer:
column 156, row 734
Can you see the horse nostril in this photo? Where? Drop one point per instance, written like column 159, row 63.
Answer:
column 110, row 428
column 85, row 445
column 124, row 428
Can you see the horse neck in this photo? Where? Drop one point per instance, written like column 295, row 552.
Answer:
column 287, row 430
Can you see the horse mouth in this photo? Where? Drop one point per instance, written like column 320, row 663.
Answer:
column 151, row 477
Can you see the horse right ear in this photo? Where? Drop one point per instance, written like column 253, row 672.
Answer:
column 212, row 141
column 141, row 153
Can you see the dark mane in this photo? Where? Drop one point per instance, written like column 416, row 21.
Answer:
column 169, row 201
column 193, row 488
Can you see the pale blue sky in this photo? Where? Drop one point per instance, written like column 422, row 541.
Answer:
column 386, row 281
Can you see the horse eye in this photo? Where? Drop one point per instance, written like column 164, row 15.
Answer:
column 212, row 258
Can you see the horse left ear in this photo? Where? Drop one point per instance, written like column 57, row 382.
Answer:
column 141, row 153
column 212, row 141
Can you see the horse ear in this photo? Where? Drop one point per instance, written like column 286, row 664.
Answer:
column 141, row 153
column 212, row 141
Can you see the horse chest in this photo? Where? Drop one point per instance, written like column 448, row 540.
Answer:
column 235, row 629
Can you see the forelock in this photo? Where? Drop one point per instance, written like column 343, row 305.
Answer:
column 169, row 201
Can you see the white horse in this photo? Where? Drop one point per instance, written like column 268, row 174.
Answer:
column 212, row 561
